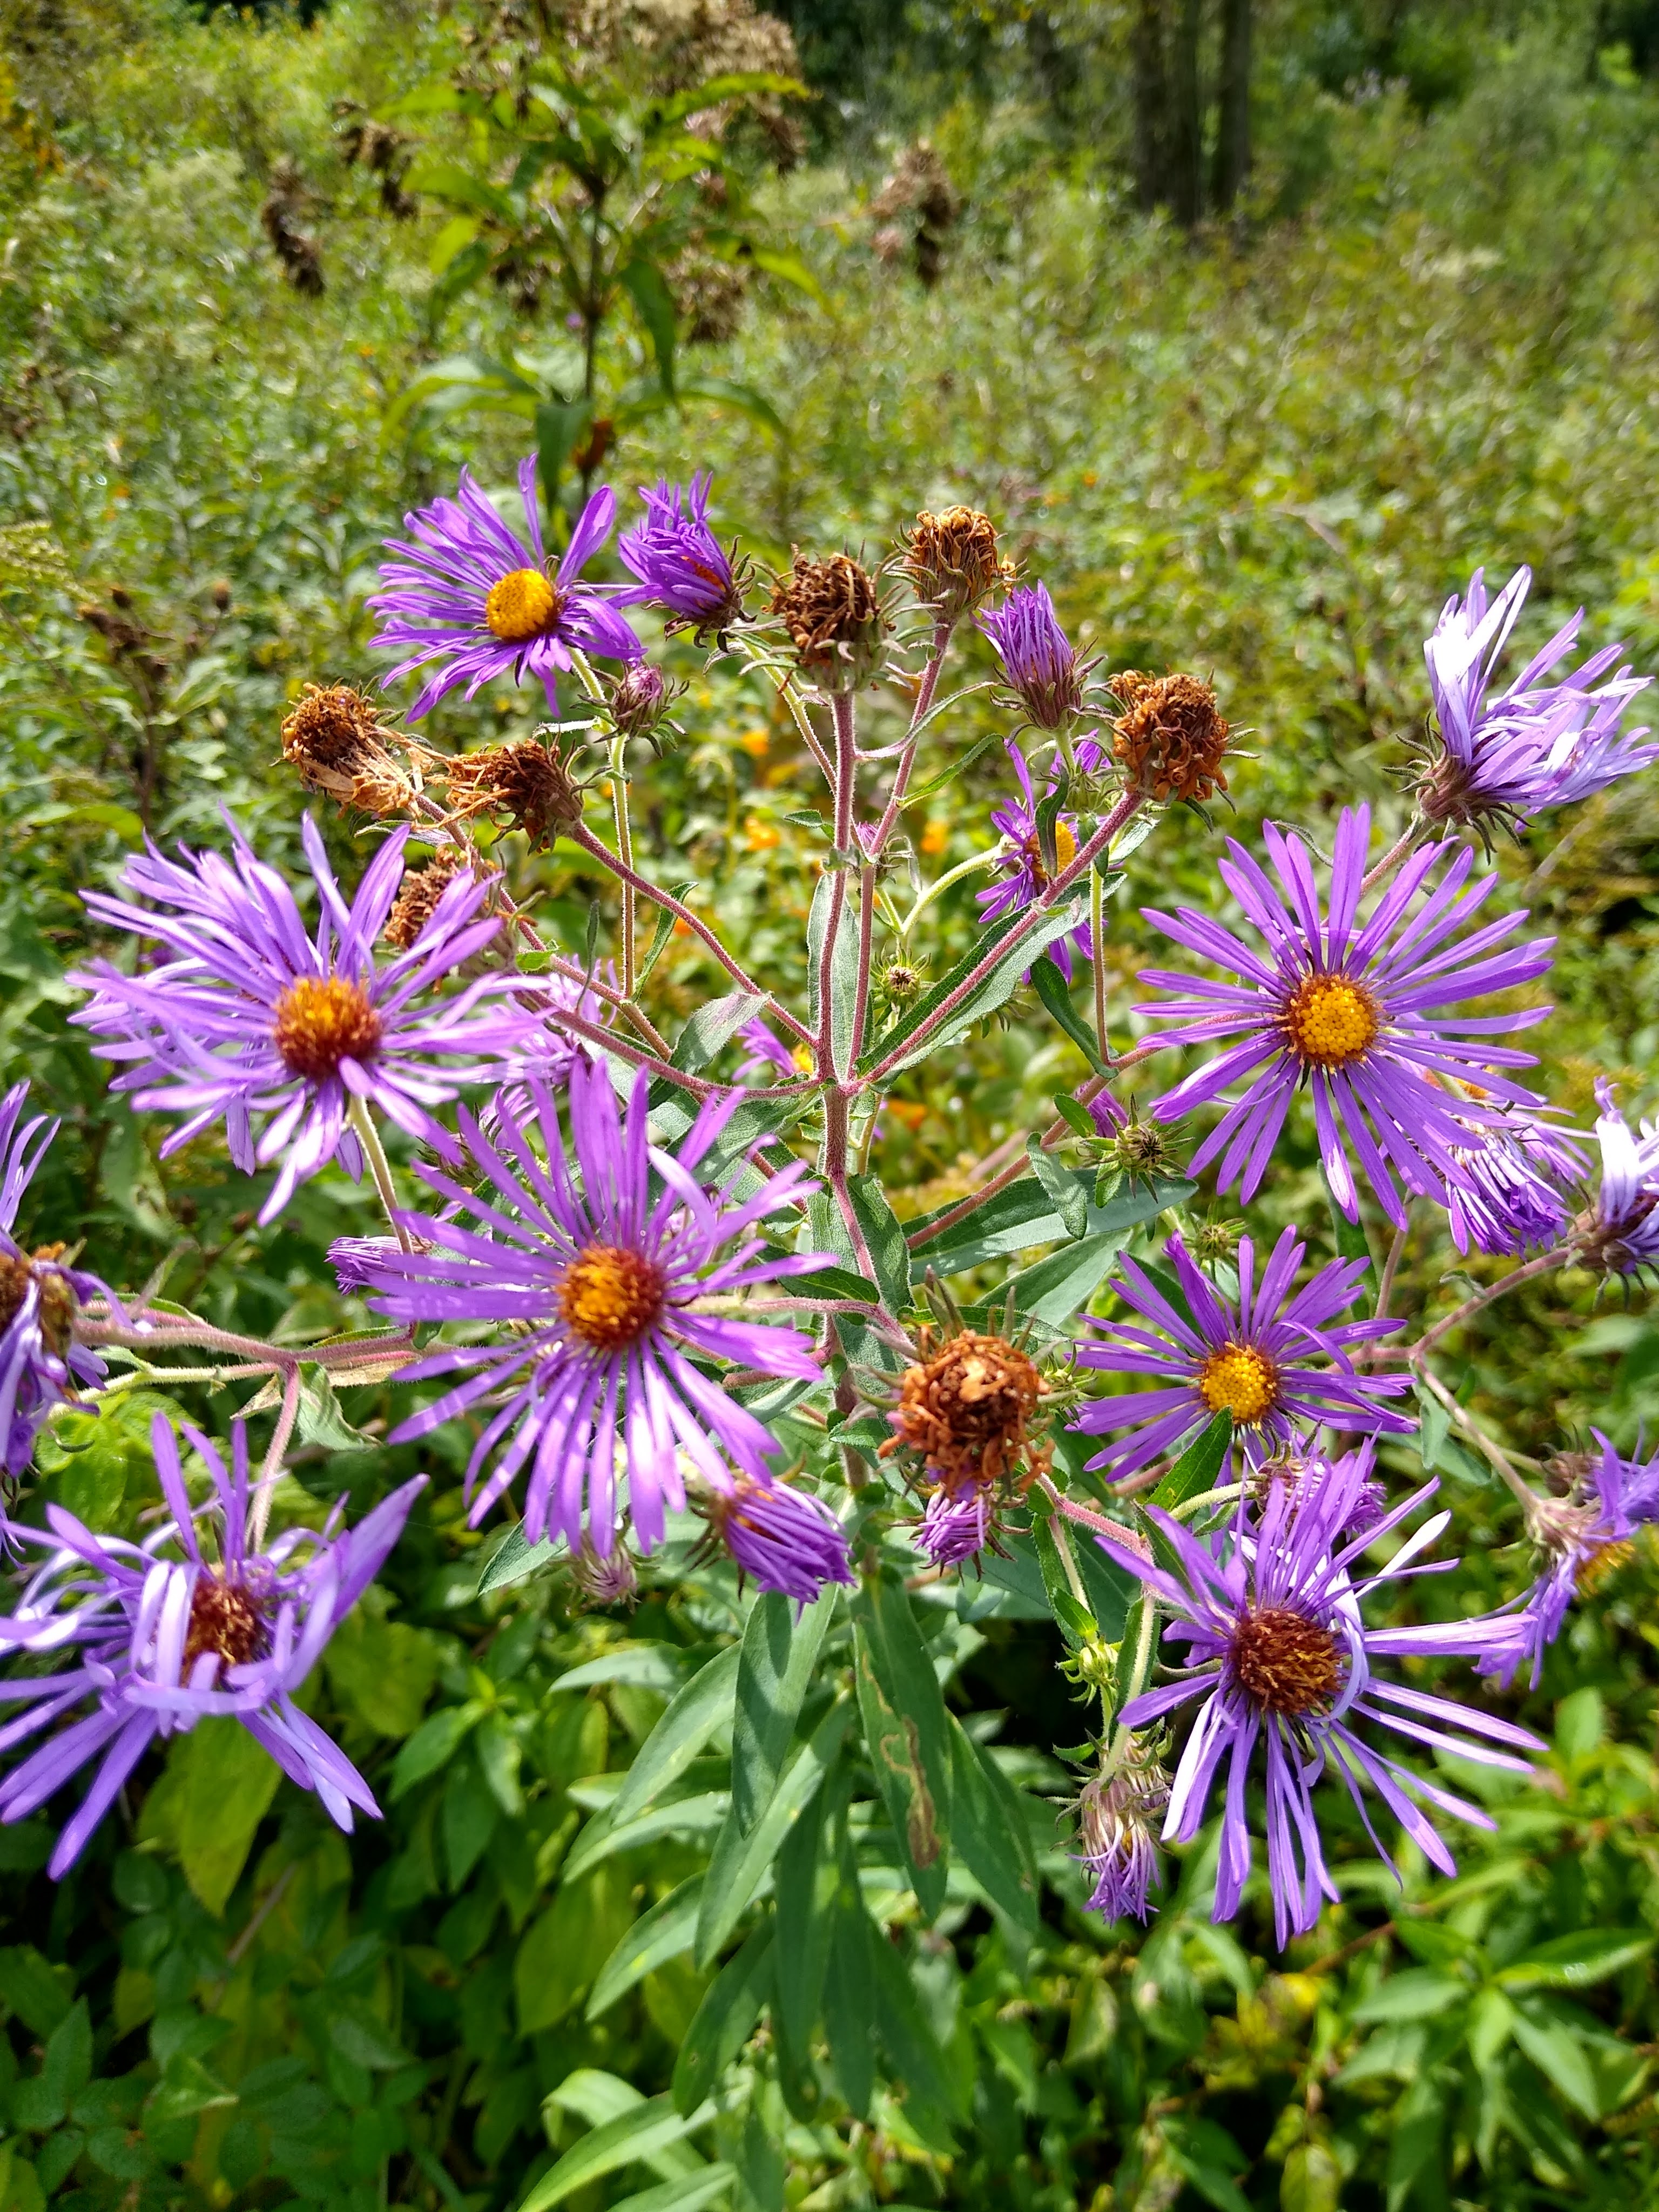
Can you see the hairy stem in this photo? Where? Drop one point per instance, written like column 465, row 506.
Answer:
column 1391, row 860
column 272, row 1468
column 380, row 1167
column 1414, row 1354
column 625, row 855
column 925, row 692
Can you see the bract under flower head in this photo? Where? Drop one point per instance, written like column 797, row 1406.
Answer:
column 1620, row 1231
column 1535, row 745
column 782, row 1538
column 1251, row 1361
column 40, row 1361
column 255, row 1023
column 479, row 601
column 1359, row 1012
column 599, row 1247
column 162, row 1634
column 681, row 565
column 1278, row 1651
column 1038, row 661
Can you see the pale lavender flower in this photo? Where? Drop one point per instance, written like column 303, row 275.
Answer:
column 682, row 566
column 162, row 1634
column 957, row 1525
column 1534, row 745
column 275, row 1032
column 1307, row 1472
column 1621, row 1230
column 1115, row 1818
column 471, row 595
column 603, row 1276
column 1252, row 1362
column 1359, row 1013
column 782, row 1538
column 1036, row 656
column 1278, row 1652
column 1025, row 873
column 40, row 1361
column 765, row 1051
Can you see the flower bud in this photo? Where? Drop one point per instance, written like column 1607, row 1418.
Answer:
column 639, row 699
column 833, row 614
column 1037, row 657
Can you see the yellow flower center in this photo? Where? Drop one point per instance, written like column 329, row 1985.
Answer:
column 1031, row 851
column 1332, row 1020
column 610, row 1296
column 520, row 605
column 322, row 1020
column 1242, row 1380
column 802, row 1056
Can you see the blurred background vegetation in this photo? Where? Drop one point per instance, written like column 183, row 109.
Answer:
column 1256, row 328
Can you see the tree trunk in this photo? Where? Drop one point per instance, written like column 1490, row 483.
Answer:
column 1151, row 107
column 1232, row 138
column 1186, row 183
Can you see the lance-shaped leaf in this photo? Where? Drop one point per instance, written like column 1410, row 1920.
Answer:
column 905, row 1732
column 1070, row 1196
column 778, row 1655
column 1054, row 992
column 723, row 2022
column 693, row 1716
column 640, row 2136
column 713, row 1026
column 654, row 304
column 849, row 1986
column 913, row 2049
column 808, row 1880
column 663, row 1932
column 833, row 967
column 1195, row 1471
column 990, row 1832
column 740, row 1863
column 923, row 1032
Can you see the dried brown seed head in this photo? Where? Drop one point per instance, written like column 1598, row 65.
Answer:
column 832, row 612
column 967, row 1411
column 335, row 741
column 526, row 783
column 953, row 562
column 418, row 895
column 1170, row 736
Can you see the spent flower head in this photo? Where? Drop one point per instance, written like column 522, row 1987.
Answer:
column 1170, row 737
column 953, row 562
column 41, row 1292
column 833, row 613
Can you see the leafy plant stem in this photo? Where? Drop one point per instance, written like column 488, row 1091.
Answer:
column 1097, row 956
column 1555, row 1257
column 287, row 1412
column 380, row 1167
column 625, row 852
column 925, row 691
column 1487, row 1446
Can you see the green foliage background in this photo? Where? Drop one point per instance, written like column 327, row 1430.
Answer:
column 1267, row 452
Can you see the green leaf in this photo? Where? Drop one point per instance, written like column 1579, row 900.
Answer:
column 694, row 1714
column 66, row 2064
column 724, row 2021
column 840, row 1282
column 356, row 2034
column 789, row 268
column 321, row 1422
column 889, row 1255
column 989, row 1832
column 41, row 1995
column 654, row 304
column 1576, row 1962
column 604, row 1835
column 920, row 793
column 714, row 91
column 1072, row 1617
column 560, row 427
column 1196, row 1470
column 905, row 1731
column 382, row 1671
column 1070, row 1196
column 1418, row 1993
column 1055, row 993
column 637, row 2136
column 1434, row 1426
column 669, row 1928
column 739, row 1862
column 687, row 2195
column 516, row 1560
column 1024, row 1215
column 1348, row 1237
column 849, row 1987
column 727, row 391
column 183, row 2090
column 1055, row 1288
column 1560, row 2057
column 905, row 1044
column 1311, row 2181
column 562, row 1952
column 459, row 187
column 912, row 2048
column 433, row 1744
column 807, row 1878
column 712, row 1027
column 658, row 1666
column 778, row 1654
column 834, row 903
column 217, row 1787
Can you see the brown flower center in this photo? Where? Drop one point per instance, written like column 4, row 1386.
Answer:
column 966, row 1410
column 1332, row 1019
column 1242, row 1379
column 520, row 605
column 57, row 1302
column 1284, row 1662
column 610, row 1296
column 225, row 1617
column 833, row 615
column 1171, row 735
column 322, row 1020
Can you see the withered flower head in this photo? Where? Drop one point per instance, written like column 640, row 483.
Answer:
column 418, row 893
column 1118, row 1818
column 953, row 562
column 528, row 784
column 334, row 739
column 966, row 1411
column 1170, row 736
column 832, row 612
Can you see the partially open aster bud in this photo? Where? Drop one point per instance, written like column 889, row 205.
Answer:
column 785, row 1539
column 336, row 740
column 1170, row 736
column 967, row 1410
column 418, row 896
column 527, row 783
column 1115, row 1818
column 605, row 1578
column 953, row 562
column 1038, row 659
column 832, row 611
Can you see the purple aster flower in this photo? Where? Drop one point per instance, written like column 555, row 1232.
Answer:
column 252, row 1020
column 603, row 1276
column 478, row 600
column 1359, row 1012
column 785, row 1539
column 1509, row 1196
column 1108, row 1115
column 1036, row 655
column 681, row 564
column 1306, row 1473
column 764, row 1052
column 41, row 1363
column 1025, row 872
column 162, row 1634
column 957, row 1525
column 1253, row 1361
column 1535, row 745
column 1583, row 1537
column 1621, row 1230
column 1115, row 1817
column 1278, row 1652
